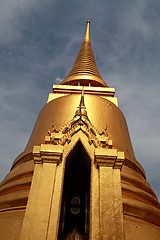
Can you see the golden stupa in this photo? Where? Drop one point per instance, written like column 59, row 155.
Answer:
column 78, row 177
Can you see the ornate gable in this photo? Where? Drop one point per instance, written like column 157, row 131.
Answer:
column 80, row 122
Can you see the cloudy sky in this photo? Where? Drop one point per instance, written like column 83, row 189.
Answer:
column 39, row 41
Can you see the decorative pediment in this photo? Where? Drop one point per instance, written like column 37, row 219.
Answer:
column 80, row 122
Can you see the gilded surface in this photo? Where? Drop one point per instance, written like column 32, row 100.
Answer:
column 80, row 121
column 111, row 214
column 94, row 123
column 100, row 112
column 85, row 67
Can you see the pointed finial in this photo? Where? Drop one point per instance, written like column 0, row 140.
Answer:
column 82, row 99
column 81, row 109
column 87, row 35
column 84, row 70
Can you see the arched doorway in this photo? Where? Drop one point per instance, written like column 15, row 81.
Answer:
column 76, row 195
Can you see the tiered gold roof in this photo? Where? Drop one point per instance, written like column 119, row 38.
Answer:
column 84, row 70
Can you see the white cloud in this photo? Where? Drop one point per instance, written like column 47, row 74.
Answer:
column 58, row 79
column 9, row 23
column 12, row 17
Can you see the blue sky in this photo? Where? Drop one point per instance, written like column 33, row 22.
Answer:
column 39, row 41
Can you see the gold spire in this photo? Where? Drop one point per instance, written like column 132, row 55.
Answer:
column 84, row 70
column 87, row 35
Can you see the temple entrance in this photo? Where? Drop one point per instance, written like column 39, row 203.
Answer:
column 74, row 220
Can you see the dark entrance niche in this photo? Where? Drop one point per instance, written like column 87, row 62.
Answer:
column 76, row 186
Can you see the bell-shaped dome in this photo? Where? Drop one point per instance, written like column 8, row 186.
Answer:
column 141, row 208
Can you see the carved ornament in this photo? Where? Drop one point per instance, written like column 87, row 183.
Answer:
column 79, row 122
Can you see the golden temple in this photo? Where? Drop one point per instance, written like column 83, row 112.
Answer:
column 78, row 177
